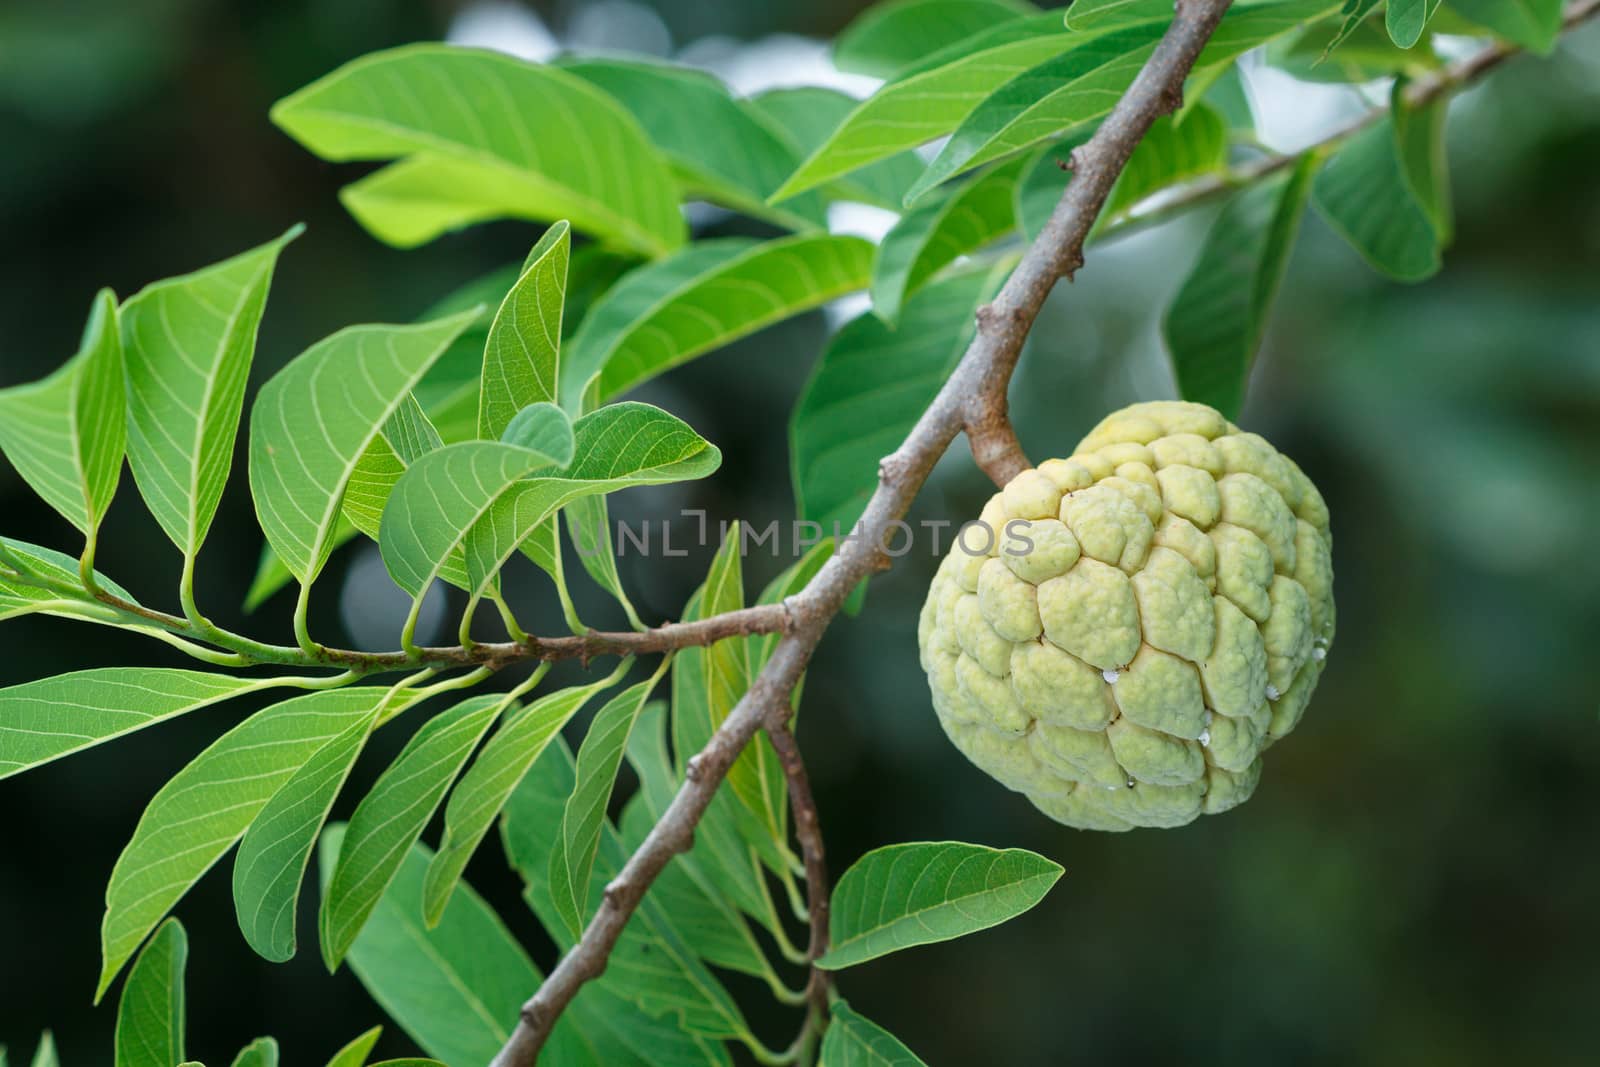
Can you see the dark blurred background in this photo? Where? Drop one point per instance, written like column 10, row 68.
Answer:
column 1416, row 879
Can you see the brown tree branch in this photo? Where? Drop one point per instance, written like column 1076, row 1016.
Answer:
column 985, row 370
column 808, row 830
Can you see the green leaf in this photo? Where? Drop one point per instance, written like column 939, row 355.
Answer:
column 1215, row 323
column 405, row 438
column 688, row 888
column 1066, row 90
column 894, row 34
column 484, row 135
column 44, row 1055
column 1366, row 195
column 523, row 353
column 853, row 1040
column 1102, row 14
column 756, row 777
column 870, row 386
column 1351, row 16
column 720, row 151
column 1170, row 152
column 621, row 445
column 197, row 816
column 1419, row 134
column 355, row 1053
column 456, row 988
column 1531, row 24
column 262, row 1052
column 316, row 418
column 708, row 295
column 921, row 893
column 1083, row 83
column 931, row 236
column 55, row 717
column 572, row 858
column 589, row 528
column 652, row 972
column 150, row 1017
column 436, row 502
column 482, row 792
column 931, row 100
column 391, row 818
column 272, row 857
column 187, row 343
column 730, row 861
column 1406, row 18
column 543, row 429
column 806, row 116
column 66, row 434
column 18, row 597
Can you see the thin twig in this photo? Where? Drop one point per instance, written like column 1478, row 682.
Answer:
column 808, row 830
column 984, row 371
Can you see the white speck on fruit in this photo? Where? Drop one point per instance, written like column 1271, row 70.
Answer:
column 1111, row 676
column 1272, row 692
column 1319, row 653
column 1205, row 737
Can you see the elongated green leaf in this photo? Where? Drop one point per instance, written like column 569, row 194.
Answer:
column 870, row 386
column 1406, row 18
column 543, row 429
column 150, row 1017
column 720, row 151
column 437, row 500
column 262, row 1052
column 895, row 34
column 806, row 116
column 315, row 419
column 652, row 971
column 391, row 818
column 1214, row 325
column 709, row 295
column 20, row 597
column 688, row 888
column 920, row 893
column 1366, row 195
column 1064, row 91
column 1532, row 24
column 1419, row 136
column 589, row 528
column 355, row 1053
column 730, row 861
column 45, row 1054
column 476, row 801
column 485, row 135
column 1171, row 152
column 66, row 434
column 524, row 346
column 456, row 988
column 404, row 439
column 1084, row 82
column 572, row 858
column 931, row 236
column 930, row 101
column 713, row 679
column 55, row 717
column 853, row 1040
column 198, row 815
column 621, row 445
column 272, row 857
column 1103, row 14
column 187, row 344
column 1351, row 17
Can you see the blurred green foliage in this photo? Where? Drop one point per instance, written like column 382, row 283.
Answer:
column 1415, row 881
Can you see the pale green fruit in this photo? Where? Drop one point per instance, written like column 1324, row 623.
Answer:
column 1127, row 629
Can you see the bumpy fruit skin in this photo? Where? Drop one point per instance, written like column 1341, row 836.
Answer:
column 1126, row 630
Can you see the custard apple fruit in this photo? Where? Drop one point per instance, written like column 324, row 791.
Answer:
column 1123, row 632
